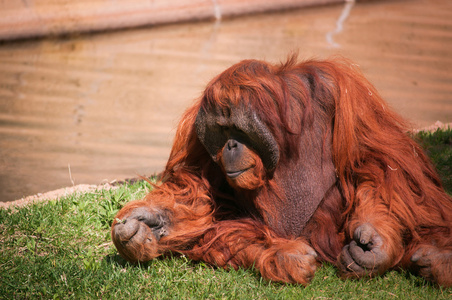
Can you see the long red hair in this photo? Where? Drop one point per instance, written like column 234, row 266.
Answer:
column 373, row 172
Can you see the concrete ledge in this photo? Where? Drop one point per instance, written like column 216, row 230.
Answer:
column 28, row 19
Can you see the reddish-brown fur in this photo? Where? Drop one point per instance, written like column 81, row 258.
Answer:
column 383, row 179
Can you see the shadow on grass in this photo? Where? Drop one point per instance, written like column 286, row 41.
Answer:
column 117, row 260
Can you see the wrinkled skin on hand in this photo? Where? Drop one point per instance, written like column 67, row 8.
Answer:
column 364, row 255
column 137, row 234
column 433, row 264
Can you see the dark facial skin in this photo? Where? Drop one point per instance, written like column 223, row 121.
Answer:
column 216, row 127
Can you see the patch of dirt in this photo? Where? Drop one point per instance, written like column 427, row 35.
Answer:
column 434, row 127
column 57, row 194
column 78, row 189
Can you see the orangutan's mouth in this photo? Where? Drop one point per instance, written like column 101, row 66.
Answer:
column 235, row 174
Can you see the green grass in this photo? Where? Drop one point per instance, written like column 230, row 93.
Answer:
column 62, row 249
column 438, row 146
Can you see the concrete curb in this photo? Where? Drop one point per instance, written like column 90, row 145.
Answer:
column 27, row 19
